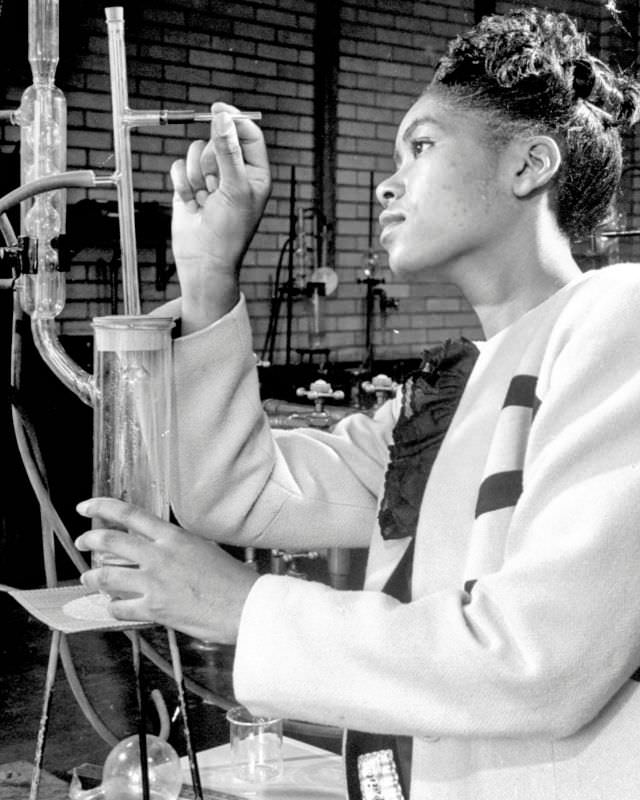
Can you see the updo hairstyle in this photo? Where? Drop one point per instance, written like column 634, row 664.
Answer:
column 530, row 72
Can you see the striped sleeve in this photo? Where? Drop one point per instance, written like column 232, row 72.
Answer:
column 502, row 484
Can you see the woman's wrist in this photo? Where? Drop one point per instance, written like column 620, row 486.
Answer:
column 207, row 300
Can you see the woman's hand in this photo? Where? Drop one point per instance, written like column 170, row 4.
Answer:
column 220, row 191
column 182, row 581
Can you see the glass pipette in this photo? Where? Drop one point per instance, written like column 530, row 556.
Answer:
column 139, row 118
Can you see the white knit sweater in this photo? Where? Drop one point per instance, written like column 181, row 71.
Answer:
column 518, row 687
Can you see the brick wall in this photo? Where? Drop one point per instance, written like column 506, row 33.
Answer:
column 259, row 55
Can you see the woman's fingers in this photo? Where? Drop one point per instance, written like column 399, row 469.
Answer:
column 209, row 166
column 126, row 589
column 238, row 143
column 182, row 189
column 129, row 608
column 234, row 157
column 254, row 148
column 194, row 173
column 122, row 544
column 224, row 136
column 192, row 176
column 127, row 517
column 114, row 581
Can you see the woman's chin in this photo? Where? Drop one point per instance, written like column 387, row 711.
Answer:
column 410, row 270
column 406, row 271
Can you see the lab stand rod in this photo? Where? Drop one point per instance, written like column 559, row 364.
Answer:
column 372, row 190
column 142, row 717
column 176, row 662
column 52, row 666
column 292, row 239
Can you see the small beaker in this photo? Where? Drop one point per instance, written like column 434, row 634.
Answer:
column 256, row 746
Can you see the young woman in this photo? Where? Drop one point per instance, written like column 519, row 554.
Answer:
column 493, row 651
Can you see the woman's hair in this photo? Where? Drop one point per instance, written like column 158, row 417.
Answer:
column 530, row 72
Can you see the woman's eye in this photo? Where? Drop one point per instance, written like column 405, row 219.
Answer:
column 418, row 146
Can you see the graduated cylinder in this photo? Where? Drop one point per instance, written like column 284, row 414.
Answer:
column 132, row 413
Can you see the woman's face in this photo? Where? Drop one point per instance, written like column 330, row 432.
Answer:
column 447, row 204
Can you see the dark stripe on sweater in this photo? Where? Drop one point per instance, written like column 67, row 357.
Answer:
column 636, row 676
column 521, row 391
column 537, row 402
column 500, row 490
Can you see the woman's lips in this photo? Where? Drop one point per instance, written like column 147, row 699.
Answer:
column 388, row 221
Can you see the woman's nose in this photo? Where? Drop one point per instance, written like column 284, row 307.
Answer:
column 387, row 191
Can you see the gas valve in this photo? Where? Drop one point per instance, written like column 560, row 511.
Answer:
column 320, row 391
column 286, row 563
column 382, row 386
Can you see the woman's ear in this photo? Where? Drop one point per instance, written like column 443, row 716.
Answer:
column 539, row 161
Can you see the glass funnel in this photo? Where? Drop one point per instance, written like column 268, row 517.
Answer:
column 132, row 413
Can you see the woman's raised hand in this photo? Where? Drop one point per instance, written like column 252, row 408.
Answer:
column 220, row 192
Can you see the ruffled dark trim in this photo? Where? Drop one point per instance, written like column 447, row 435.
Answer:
column 430, row 396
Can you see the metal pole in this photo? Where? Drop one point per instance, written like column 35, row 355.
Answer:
column 52, row 667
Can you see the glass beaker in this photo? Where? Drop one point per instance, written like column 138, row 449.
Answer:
column 256, row 746
column 132, row 414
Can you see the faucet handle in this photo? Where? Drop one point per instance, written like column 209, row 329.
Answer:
column 382, row 386
column 319, row 391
